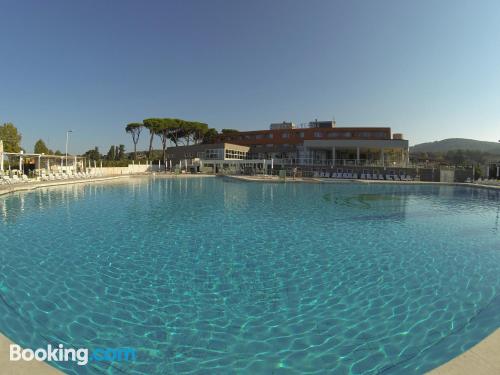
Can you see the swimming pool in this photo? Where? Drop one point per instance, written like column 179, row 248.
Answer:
column 214, row 276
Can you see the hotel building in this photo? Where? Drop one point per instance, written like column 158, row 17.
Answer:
column 323, row 143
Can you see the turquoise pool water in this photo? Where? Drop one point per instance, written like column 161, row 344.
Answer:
column 212, row 276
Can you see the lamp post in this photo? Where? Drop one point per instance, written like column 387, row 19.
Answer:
column 67, row 139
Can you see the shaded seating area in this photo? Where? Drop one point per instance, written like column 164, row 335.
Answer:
column 349, row 174
column 24, row 168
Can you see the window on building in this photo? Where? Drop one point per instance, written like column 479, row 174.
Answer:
column 285, row 135
column 213, row 153
column 259, row 136
column 235, row 154
column 364, row 135
column 269, row 135
column 318, row 134
column 379, row 135
column 301, row 134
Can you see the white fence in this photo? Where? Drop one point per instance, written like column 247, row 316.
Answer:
column 113, row 171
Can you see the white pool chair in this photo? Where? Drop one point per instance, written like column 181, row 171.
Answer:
column 388, row 177
column 25, row 178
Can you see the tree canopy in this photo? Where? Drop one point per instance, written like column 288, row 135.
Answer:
column 92, row 154
column 41, row 148
column 134, row 128
column 229, row 131
column 11, row 138
column 173, row 130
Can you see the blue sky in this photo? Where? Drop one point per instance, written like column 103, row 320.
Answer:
column 428, row 69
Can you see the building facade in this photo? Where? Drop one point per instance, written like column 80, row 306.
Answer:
column 214, row 151
column 324, row 144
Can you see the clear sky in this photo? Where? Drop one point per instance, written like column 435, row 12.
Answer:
column 428, row 69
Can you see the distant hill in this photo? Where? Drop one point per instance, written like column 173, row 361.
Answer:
column 457, row 144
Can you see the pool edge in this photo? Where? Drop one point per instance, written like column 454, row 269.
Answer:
column 482, row 358
column 22, row 367
column 33, row 186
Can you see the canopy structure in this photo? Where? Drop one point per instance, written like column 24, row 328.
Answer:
column 42, row 161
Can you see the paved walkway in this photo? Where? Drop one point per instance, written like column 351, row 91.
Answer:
column 22, row 186
column 482, row 359
column 21, row 367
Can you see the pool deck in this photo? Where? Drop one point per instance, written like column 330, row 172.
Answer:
column 481, row 359
column 22, row 367
column 335, row 180
column 6, row 189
